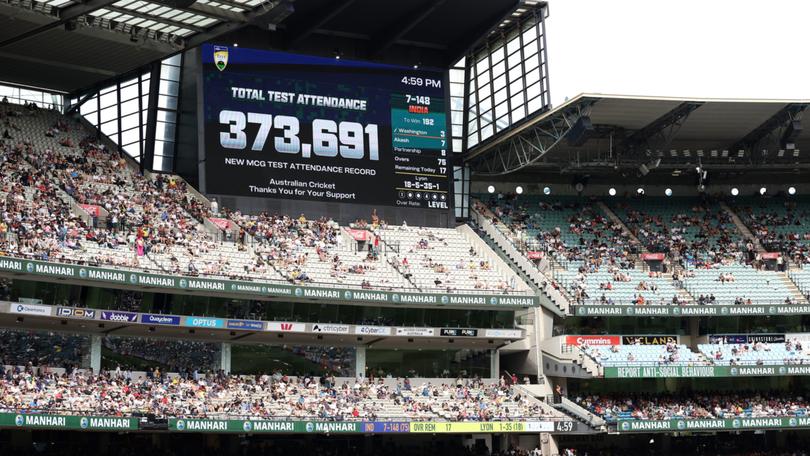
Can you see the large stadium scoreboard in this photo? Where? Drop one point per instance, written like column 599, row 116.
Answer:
column 289, row 126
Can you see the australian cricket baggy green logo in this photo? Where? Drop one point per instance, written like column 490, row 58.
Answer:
column 220, row 57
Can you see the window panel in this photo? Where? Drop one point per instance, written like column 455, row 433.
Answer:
column 499, row 83
column 169, row 88
column 515, row 73
column 89, row 106
column 535, row 105
column 533, row 92
column 513, row 45
column 130, row 136
column 167, row 102
column 130, row 107
column 501, row 110
column 513, row 59
column 130, row 121
column 483, row 78
column 110, row 129
column 109, row 114
column 500, row 96
column 498, row 55
column 165, row 131
column 129, row 92
column 170, row 73
column 484, row 91
column 516, row 100
column 108, row 99
column 498, row 69
column 518, row 113
column 532, row 62
column 166, row 116
column 532, row 76
column 487, row 132
column 516, row 87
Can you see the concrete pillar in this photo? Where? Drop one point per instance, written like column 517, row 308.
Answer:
column 95, row 353
column 494, row 363
column 360, row 362
column 225, row 357
column 694, row 332
column 548, row 445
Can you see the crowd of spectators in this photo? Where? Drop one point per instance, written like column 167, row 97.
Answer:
column 660, row 406
column 694, row 232
column 183, row 356
column 39, row 349
column 66, row 196
column 216, row 395
column 780, row 226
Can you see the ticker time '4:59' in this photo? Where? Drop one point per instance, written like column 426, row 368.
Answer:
column 421, row 82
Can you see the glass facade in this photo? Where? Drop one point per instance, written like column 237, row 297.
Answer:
column 22, row 95
column 506, row 79
column 121, row 110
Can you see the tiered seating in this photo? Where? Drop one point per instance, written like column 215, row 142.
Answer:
column 781, row 225
column 790, row 352
column 694, row 405
column 571, row 228
column 740, row 283
column 619, row 287
column 697, row 230
column 119, row 394
column 153, row 222
column 634, row 355
column 21, row 348
column 801, row 278
column 442, row 258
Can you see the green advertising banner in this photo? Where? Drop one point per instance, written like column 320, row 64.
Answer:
column 267, row 289
column 65, row 422
column 688, row 311
column 735, row 424
column 703, row 371
column 261, row 426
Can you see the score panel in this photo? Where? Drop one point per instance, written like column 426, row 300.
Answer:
column 288, row 126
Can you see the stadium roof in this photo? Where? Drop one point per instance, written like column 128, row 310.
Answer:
column 628, row 131
column 69, row 45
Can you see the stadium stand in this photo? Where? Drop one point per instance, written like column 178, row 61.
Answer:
column 152, row 222
column 671, row 354
column 266, row 396
column 779, row 224
column 694, row 406
column 757, row 353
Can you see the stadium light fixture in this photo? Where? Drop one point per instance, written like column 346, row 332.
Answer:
column 547, row 190
column 519, row 190
column 791, row 190
column 236, row 45
column 612, row 191
column 762, row 190
column 491, row 189
column 640, row 191
column 668, row 192
column 735, row 191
